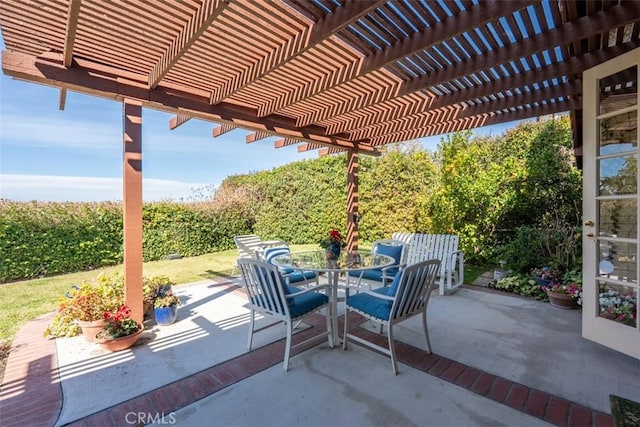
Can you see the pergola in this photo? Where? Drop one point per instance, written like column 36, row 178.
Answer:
column 328, row 75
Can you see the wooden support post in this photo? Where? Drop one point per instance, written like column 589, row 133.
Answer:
column 352, row 200
column 132, row 206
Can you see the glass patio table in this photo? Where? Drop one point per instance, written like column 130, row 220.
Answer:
column 348, row 261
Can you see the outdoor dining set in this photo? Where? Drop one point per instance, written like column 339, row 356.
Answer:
column 386, row 285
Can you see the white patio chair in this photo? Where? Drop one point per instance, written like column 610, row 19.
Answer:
column 270, row 296
column 291, row 275
column 382, row 276
column 407, row 296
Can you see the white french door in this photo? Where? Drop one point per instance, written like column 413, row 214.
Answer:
column 611, row 115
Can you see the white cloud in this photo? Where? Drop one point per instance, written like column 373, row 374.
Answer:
column 88, row 189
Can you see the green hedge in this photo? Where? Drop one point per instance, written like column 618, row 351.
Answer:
column 482, row 189
column 40, row 239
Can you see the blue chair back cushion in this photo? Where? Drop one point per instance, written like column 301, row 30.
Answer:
column 368, row 274
column 300, row 276
column 393, row 289
column 263, row 302
column 371, row 305
column 274, row 251
column 394, row 252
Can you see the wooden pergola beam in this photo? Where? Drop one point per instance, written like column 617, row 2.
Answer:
column 70, row 31
column 178, row 120
column 256, row 136
column 566, row 33
column 454, row 112
column 98, row 80
column 62, row 99
column 199, row 22
column 571, row 66
column 285, row 142
column 428, row 37
column 222, row 129
column 301, row 42
column 541, row 109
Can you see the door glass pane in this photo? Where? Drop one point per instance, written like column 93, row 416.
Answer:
column 618, row 261
column 619, row 90
column 618, row 175
column 618, row 218
column 618, row 133
column 618, row 303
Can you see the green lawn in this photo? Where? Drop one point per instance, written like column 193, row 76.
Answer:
column 23, row 301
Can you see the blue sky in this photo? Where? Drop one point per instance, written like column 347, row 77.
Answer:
column 76, row 154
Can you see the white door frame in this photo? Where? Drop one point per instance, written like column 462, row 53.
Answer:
column 617, row 336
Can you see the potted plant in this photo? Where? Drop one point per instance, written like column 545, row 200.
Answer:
column 82, row 307
column 152, row 287
column 566, row 296
column 545, row 276
column 332, row 244
column 120, row 330
column 166, row 307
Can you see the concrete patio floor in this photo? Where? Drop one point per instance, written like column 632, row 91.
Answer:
column 498, row 360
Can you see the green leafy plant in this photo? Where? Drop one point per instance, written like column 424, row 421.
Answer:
column 89, row 301
column 520, row 284
column 152, row 288
column 166, row 299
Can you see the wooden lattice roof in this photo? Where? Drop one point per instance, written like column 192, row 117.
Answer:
column 324, row 74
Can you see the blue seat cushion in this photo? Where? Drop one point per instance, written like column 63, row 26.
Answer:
column 300, row 276
column 371, row 305
column 394, row 252
column 305, row 303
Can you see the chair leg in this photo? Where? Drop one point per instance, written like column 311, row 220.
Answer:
column 252, row 315
column 426, row 331
column 287, row 349
column 392, row 350
column 346, row 329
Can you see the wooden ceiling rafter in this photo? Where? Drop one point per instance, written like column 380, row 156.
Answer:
column 575, row 65
column 200, row 22
column 108, row 83
column 256, row 136
column 417, row 42
column 517, row 113
column 178, row 120
column 222, row 129
column 567, row 33
column 333, row 75
column 302, row 42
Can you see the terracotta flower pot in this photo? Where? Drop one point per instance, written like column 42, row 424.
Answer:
column 563, row 301
column 121, row 343
column 91, row 328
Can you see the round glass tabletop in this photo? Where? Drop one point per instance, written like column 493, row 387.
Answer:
column 348, row 260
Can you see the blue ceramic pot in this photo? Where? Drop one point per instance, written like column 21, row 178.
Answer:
column 166, row 315
column 333, row 251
